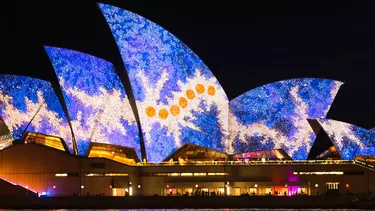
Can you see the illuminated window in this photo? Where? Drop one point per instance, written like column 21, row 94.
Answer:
column 174, row 174
column 332, row 185
column 319, row 173
column 216, row 174
column 93, row 175
column 116, row 175
column 61, row 174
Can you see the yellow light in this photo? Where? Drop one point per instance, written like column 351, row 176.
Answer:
column 320, row 173
column 116, row 175
column 186, row 174
column 61, row 174
column 216, row 174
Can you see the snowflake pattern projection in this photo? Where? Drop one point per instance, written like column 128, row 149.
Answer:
column 96, row 100
column 162, row 70
column 275, row 115
column 350, row 140
column 23, row 98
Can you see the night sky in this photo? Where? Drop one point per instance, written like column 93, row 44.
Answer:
column 244, row 45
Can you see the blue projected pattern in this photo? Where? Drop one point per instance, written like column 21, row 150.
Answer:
column 97, row 104
column 275, row 115
column 23, row 99
column 178, row 98
column 350, row 140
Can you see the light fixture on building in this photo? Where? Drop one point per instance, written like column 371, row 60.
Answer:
column 110, row 186
column 316, row 185
column 54, row 186
column 130, row 183
column 61, row 175
column 256, row 185
column 167, row 186
column 196, row 185
column 27, row 187
column 113, row 152
column 139, row 186
column 286, row 185
column 347, row 185
column 82, row 187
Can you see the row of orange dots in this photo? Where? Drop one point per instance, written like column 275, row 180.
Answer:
column 183, row 102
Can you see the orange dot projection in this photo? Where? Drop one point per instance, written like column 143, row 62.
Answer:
column 199, row 88
column 175, row 110
column 163, row 113
column 190, row 94
column 211, row 90
column 183, row 102
column 150, row 111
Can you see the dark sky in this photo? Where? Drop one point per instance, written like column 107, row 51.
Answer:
column 244, row 45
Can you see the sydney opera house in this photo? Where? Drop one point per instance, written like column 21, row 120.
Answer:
column 173, row 131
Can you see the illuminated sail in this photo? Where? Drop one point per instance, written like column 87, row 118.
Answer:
column 96, row 100
column 275, row 115
column 29, row 104
column 178, row 98
column 350, row 140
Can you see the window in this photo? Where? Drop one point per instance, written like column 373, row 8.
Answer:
column 332, row 185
